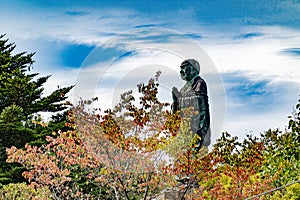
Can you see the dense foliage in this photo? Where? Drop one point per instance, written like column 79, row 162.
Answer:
column 139, row 149
column 21, row 100
column 22, row 191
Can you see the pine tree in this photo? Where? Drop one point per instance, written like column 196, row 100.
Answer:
column 21, row 99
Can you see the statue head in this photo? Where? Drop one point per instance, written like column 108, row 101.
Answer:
column 189, row 69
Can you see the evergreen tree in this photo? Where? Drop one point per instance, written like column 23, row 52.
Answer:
column 21, row 99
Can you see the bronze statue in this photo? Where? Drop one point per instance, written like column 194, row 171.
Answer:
column 194, row 94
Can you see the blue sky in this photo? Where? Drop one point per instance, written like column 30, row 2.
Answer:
column 249, row 51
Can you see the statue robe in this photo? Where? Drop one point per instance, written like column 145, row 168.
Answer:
column 194, row 94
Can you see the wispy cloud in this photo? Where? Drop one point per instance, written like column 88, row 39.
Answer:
column 292, row 52
column 260, row 57
column 249, row 35
column 76, row 13
column 195, row 36
column 258, row 97
column 253, row 45
column 149, row 25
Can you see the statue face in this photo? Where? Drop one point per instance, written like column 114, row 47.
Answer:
column 187, row 73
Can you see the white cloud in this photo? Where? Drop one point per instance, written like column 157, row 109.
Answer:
column 258, row 56
column 94, row 27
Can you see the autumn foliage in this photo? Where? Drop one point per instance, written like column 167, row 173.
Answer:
column 139, row 148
